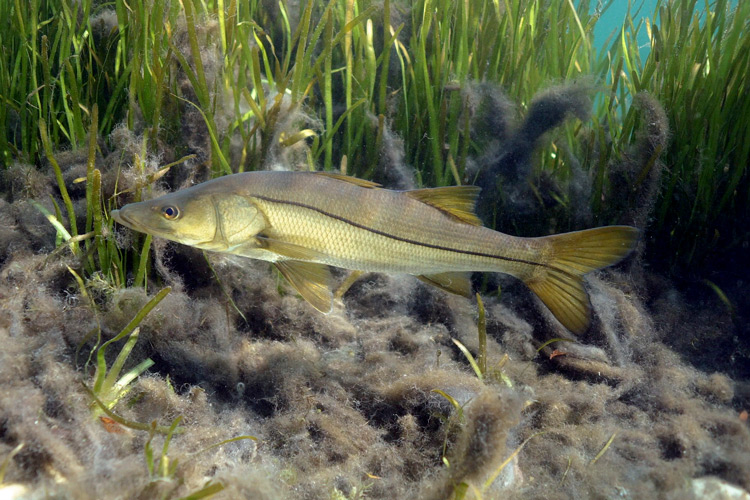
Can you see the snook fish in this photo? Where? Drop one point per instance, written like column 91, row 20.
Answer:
column 304, row 222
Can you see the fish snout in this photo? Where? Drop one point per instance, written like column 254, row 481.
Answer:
column 120, row 216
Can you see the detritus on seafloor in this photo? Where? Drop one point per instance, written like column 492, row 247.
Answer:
column 345, row 401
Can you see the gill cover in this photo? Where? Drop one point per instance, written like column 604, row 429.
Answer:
column 238, row 221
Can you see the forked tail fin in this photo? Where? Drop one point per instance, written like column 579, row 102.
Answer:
column 558, row 281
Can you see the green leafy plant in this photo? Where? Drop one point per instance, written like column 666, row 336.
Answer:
column 109, row 386
column 163, row 469
column 479, row 364
column 696, row 68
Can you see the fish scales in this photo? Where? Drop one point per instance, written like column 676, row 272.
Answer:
column 378, row 229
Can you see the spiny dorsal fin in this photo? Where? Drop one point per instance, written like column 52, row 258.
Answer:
column 311, row 280
column 453, row 282
column 352, row 180
column 456, row 201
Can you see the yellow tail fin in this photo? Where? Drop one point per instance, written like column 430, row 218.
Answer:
column 559, row 283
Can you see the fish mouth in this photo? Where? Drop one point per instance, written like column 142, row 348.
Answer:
column 123, row 219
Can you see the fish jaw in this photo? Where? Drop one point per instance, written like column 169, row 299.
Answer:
column 122, row 218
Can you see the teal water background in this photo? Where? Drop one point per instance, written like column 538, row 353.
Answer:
column 612, row 20
column 613, row 17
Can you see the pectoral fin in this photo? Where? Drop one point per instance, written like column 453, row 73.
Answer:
column 311, row 280
column 458, row 283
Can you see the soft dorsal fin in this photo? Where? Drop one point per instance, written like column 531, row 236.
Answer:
column 351, row 180
column 456, row 201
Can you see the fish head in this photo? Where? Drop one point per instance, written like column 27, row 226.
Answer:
column 204, row 216
column 183, row 216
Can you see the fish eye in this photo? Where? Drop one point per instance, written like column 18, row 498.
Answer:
column 170, row 212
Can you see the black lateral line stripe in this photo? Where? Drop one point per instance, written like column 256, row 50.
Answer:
column 405, row 240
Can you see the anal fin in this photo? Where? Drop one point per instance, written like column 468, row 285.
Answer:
column 348, row 282
column 453, row 282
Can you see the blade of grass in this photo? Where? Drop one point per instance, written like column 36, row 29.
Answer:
column 101, row 364
column 8, row 459
column 603, row 450
column 470, row 358
column 60, row 183
column 504, row 464
column 125, row 422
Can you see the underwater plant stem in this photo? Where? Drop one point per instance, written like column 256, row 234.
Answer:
column 129, row 423
column 502, row 466
column 604, row 449
column 101, row 364
column 60, row 183
column 327, row 95
column 482, row 333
